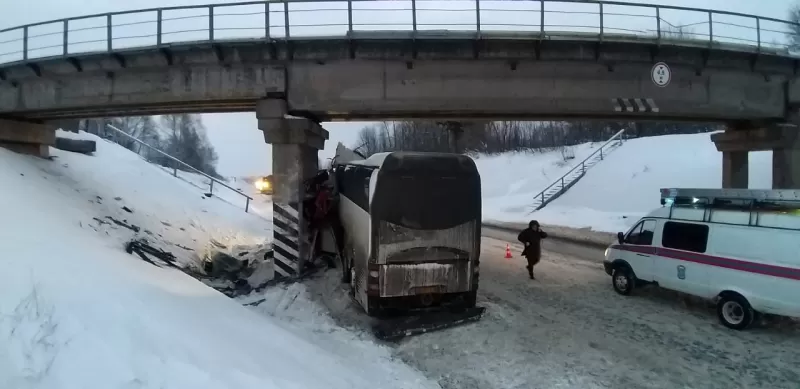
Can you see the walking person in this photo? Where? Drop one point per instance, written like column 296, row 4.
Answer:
column 532, row 237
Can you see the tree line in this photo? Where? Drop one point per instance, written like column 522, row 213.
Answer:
column 182, row 136
column 491, row 137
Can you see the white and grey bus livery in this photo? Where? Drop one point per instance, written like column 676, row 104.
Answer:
column 411, row 229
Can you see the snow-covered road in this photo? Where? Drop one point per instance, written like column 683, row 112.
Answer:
column 569, row 329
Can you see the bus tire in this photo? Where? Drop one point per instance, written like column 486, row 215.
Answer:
column 734, row 311
column 470, row 299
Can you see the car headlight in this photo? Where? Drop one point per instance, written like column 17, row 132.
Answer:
column 605, row 254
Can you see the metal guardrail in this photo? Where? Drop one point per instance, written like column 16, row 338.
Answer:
column 561, row 180
column 184, row 164
column 290, row 19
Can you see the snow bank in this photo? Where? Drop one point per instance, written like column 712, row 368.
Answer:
column 76, row 311
column 620, row 189
column 510, row 180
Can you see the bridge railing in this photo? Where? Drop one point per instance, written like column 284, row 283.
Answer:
column 476, row 19
column 186, row 166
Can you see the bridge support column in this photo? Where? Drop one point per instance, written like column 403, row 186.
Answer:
column 27, row 138
column 295, row 144
column 736, row 143
column 786, row 161
column 735, row 169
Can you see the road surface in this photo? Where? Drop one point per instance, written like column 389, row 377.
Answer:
column 569, row 329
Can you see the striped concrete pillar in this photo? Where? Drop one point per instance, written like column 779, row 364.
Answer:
column 295, row 144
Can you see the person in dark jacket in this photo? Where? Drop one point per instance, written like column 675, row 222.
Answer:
column 532, row 237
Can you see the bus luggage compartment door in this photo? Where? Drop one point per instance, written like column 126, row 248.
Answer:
column 411, row 279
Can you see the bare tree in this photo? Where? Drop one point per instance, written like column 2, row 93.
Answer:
column 794, row 29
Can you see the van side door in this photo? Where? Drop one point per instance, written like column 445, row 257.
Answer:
column 679, row 264
column 637, row 249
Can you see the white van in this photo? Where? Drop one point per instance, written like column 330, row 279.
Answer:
column 739, row 246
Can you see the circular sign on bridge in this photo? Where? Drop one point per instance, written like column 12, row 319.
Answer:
column 661, row 74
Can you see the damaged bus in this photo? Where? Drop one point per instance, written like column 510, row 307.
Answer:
column 411, row 226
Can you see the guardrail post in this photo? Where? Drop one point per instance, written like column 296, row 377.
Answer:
column 562, row 182
column 542, row 198
column 658, row 25
column 66, row 37
column 349, row 16
column 286, row 18
column 758, row 32
column 175, row 170
column 25, row 43
column 159, row 17
column 478, row 16
column 211, row 23
column 211, row 187
column 109, row 35
column 583, row 167
column 247, row 205
column 601, row 153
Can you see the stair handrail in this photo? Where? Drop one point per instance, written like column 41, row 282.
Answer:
column 175, row 169
column 582, row 165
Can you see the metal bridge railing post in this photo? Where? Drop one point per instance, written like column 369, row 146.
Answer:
column 286, row 18
column 478, row 17
column 601, row 22
column 247, row 205
column 25, row 43
column 266, row 20
column 109, row 35
column 541, row 17
column 65, row 50
column 658, row 25
column 211, row 23
column 758, row 32
column 159, row 18
column 350, row 16
column 710, row 29
column 414, row 17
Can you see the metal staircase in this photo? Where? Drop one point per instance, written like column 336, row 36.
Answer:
column 562, row 184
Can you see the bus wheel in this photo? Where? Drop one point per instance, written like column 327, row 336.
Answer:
column 734, row 311
column 623, row 280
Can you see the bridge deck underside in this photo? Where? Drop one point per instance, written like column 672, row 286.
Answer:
column 341, row 79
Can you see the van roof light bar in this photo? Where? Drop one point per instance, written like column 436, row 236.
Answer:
column 708, row 196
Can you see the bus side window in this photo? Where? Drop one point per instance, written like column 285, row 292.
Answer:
column 642, row 234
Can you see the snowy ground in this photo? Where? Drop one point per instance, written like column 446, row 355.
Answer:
column 615, row 192
column 76, row 311
column 569, row 329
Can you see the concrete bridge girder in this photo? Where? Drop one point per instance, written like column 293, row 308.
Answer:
column 379, row 79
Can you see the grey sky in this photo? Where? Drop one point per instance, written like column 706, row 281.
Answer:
column 240, row 145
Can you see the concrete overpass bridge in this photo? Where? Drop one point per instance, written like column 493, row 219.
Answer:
column 297, row 63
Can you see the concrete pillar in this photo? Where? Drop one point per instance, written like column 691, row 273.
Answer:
column 786, row 160
column 735, row 169
column 295, row 144
column 27, row 138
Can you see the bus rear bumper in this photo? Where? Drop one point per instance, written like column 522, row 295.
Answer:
column 425, row 279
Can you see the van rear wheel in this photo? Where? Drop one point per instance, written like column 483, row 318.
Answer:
column 734, row 311
column 623, row 280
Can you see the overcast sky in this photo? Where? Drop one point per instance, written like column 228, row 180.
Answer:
column 238, row 142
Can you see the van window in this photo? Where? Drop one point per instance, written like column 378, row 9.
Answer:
column 642, row 234
column 685, row 236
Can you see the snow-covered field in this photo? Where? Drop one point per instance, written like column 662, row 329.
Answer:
column 615, row 192
column 76, row 311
